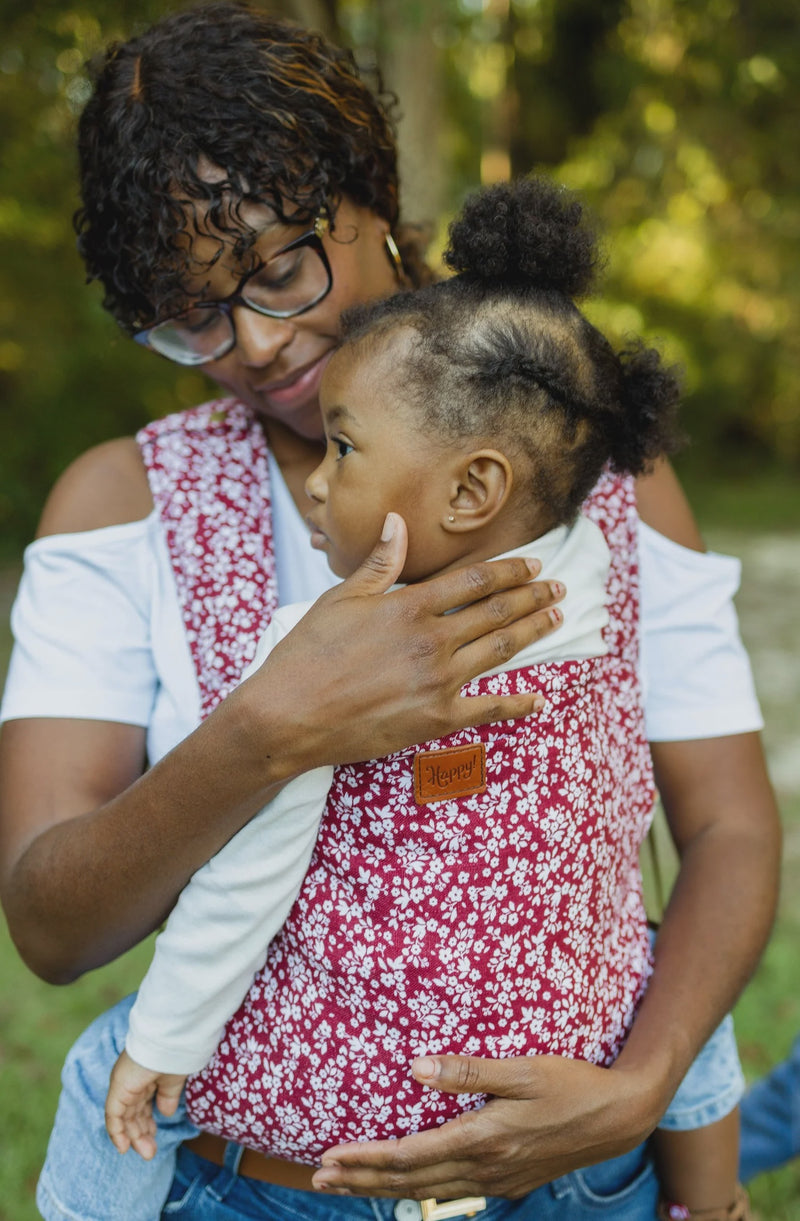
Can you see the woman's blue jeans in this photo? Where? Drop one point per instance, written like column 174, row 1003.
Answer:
column 623, row 1189
column 85, row 1179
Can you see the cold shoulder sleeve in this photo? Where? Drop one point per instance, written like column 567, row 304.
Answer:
column 696, row 672
column 82, row 627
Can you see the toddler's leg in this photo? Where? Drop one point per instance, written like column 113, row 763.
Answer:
column 771, row 1118
column 697, row 1142
column 698, row 1171
column 84, row 1178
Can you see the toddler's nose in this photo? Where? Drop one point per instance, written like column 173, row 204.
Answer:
column 316, row 485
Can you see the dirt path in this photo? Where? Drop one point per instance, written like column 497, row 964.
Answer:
column 768, row 608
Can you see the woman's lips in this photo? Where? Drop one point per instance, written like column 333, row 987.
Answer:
column 296, row 387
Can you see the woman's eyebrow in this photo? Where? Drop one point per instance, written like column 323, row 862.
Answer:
column 234, row 268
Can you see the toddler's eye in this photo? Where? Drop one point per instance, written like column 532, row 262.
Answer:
column 343, row 447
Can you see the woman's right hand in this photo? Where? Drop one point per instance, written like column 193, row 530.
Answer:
column 367, row 672
column 93, row 853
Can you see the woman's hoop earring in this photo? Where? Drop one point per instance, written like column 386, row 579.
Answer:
column 395, row 259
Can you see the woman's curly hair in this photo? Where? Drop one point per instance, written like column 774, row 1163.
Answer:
column 501, row 350
column 283, row 112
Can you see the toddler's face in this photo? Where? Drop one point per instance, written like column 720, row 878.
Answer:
column 377, row 460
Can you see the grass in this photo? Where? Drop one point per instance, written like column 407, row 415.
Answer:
column 38, row 1023
column 768, row 1015
column 742, row 494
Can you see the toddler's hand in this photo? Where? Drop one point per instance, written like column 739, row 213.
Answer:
column 129, row 1104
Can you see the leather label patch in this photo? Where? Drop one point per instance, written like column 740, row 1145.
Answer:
column 455, row 771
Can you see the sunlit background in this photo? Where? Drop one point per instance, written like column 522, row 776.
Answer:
column 678, row 120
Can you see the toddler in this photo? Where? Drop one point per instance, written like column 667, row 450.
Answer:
column 480, row 894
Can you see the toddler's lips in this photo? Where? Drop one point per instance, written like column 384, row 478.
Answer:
column 318, row 539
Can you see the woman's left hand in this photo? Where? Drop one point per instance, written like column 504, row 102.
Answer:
column 547, row 1117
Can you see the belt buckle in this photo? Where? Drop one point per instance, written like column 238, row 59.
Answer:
column 467, row 1206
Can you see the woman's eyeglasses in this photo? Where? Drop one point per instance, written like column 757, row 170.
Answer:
column 293, row 280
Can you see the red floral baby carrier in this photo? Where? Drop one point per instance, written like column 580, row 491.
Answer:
column 209, row 476
column 504, row 918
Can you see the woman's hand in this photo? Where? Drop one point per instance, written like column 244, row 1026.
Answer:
column 547, row 1117
column 367, row 671
column 364, row 673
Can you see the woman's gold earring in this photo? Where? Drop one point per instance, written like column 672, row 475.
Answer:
column 451, row 518
column 396, row 260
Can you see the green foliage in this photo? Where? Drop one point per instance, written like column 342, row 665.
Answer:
column 68, row 378
column 694, row 176
column 677, row 119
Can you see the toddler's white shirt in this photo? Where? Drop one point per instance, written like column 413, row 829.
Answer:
column 218, row 933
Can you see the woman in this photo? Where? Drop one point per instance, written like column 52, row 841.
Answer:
column 227, row 160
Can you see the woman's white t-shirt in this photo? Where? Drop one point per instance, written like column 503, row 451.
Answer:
column 98, row 631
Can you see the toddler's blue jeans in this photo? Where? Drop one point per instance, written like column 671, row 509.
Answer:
column 771, row 1118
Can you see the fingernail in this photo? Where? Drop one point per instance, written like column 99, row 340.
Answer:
column 538, row 703
column 555, row 615
column 388, row 528
column 322, row 1182
column 425, row 1067
column 535, row 566
column 557, row 589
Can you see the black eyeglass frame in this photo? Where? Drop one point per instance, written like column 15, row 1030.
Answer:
column 312, row 238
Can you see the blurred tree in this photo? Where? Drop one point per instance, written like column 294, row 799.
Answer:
column 694, row 170
column 411, row 66
column 67, row 375
column 677, row 119
column 674, row 119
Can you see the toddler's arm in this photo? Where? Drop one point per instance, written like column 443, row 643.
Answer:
column 215, row 940
column 218, row 933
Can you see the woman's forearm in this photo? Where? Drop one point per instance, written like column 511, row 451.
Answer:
column 92, row 879
column 723, row 817
column 92, row 858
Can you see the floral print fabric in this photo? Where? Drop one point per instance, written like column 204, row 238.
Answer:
column 209, row 476
column 509, row 922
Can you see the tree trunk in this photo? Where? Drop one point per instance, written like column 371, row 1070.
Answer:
column 411, row 67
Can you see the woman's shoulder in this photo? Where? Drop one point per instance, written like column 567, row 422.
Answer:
column 106, row 486
column 662, row 505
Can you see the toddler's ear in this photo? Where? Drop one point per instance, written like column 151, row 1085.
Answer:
column 481, row 490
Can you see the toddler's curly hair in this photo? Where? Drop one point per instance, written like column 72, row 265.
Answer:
column 501, row 351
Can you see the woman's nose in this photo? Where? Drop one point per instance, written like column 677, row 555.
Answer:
column 259, row 339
